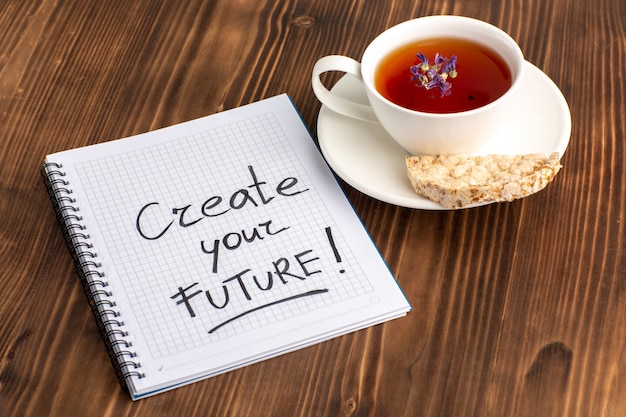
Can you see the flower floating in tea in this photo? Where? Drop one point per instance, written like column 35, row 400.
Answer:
column 434, row 75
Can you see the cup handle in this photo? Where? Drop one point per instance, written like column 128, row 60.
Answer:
column 334, row 102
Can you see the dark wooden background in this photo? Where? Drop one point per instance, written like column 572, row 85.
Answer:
column 519, row 308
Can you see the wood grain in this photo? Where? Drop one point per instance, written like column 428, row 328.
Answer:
column 519, row 309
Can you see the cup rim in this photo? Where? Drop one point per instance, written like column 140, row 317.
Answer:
column 519, row 72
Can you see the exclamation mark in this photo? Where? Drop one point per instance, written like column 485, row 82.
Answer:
column 331, row 240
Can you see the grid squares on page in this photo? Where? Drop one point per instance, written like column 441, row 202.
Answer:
column 186, row 171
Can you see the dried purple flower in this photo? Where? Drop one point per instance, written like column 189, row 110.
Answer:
column 435, row 75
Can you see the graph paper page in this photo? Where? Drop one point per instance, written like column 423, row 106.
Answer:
column 227, row 240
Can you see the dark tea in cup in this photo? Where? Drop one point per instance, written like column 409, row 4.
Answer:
column 480, row 75
column 472, row 70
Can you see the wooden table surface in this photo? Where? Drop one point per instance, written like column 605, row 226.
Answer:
column 519, row 309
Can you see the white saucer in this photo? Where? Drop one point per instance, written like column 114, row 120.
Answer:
column 366, row 157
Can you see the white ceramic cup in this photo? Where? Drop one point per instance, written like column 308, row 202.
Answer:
column 418, row 132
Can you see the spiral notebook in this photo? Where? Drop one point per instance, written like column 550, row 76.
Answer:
column 214, row 244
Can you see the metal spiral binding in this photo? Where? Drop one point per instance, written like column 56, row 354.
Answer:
column 96, row 288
